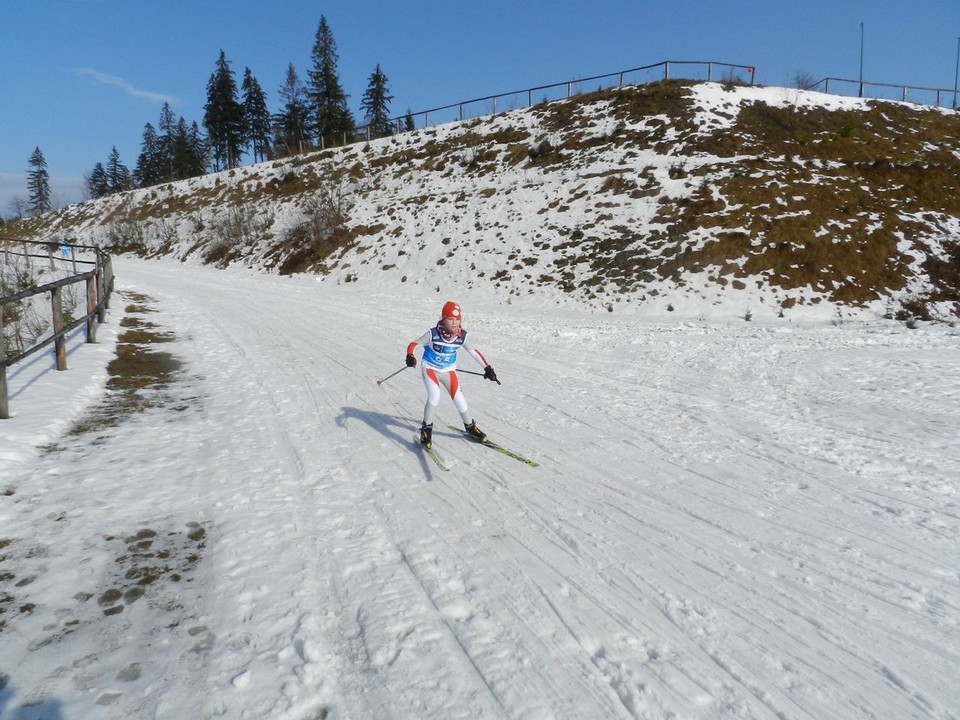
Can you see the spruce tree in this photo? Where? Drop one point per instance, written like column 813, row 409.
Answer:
column 118, row 175
column 256, row 117
column 376, row 105
column 199, row 151
column 330, row 118
column 38, row 185
column 180, row 151
column 223, row 117
column 96, row 182
column 151, row 161
column 290, row 124
column 408, row 124
column 167, row 127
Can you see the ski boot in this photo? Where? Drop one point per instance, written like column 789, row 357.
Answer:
column 475, row 433
column 426, row 435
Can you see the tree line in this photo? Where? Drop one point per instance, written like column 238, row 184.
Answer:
column 313, row 113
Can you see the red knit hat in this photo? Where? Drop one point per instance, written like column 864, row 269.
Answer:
column 451, row 309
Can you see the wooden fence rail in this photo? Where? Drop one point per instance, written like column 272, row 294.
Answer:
column 99, row 287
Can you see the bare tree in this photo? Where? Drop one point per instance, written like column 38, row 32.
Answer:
column 803, row 80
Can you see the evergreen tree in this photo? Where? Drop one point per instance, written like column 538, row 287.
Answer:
column 330, row 118
column 38, row 185
column 151, row 163
column 96, row 182
column 408, row 124
column 376, row 105
column 223, row 118
column 118, row 175
column 199, row 151
column 167, row 127
column 256, row 117
column 290, row 124
column 181, row 159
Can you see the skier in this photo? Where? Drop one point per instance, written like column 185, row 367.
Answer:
column 439, row 366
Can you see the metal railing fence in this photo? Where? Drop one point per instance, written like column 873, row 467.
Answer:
column 516, row 99
column 939, row 97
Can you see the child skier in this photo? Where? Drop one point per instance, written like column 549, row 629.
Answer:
column 439, row 366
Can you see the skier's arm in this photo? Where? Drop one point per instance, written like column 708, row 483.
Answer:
column 474, row 353
column 411, row 360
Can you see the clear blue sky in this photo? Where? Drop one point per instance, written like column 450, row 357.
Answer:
column 82, row 76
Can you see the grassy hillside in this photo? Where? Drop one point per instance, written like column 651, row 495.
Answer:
column 645, row 197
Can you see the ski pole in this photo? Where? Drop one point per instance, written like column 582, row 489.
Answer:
column 473, row 372
column 381, row 382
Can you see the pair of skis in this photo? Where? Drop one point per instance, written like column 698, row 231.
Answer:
column 435, row 457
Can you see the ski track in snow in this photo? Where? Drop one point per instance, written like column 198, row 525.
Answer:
column 727, row 522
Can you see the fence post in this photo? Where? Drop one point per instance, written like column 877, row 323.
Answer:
column 666, row 71
column 4, row 400
column 91, row 306
column 710, row 72
column 60, row 343
column 108, row 265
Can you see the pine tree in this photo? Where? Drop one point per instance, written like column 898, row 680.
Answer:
column 180, row 152
column 256, row 117
column 38, row 185
column 151, row 161
column 330, row 118
column 167, row 127
column 96, row 182
column 290, row 124
column 199, row 151
column 223, row 118
column 376, row 105
column 408, row 124
column 118, row 175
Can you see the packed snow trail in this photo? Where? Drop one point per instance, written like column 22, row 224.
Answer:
column 728, row 521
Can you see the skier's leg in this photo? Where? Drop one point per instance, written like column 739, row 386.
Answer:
column 432, row 384
column 459, row 400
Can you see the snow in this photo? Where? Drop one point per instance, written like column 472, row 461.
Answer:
column 730, row 519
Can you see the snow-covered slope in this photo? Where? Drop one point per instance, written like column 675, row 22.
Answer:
column 695, row 198
column 730, row 520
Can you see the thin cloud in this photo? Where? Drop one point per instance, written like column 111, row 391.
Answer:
column 125, row 86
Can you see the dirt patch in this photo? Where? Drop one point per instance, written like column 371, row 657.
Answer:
column 140, row 375
column 147, row 563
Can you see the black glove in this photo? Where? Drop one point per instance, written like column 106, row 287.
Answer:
column 489, row 374
column 411, row 360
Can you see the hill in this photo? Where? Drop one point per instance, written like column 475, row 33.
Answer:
column 694, row 198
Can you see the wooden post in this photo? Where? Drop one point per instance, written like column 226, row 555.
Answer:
column 101, row 289
column 91, row 306
column 50, row 256
column 60, row 344
column 4, row 400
